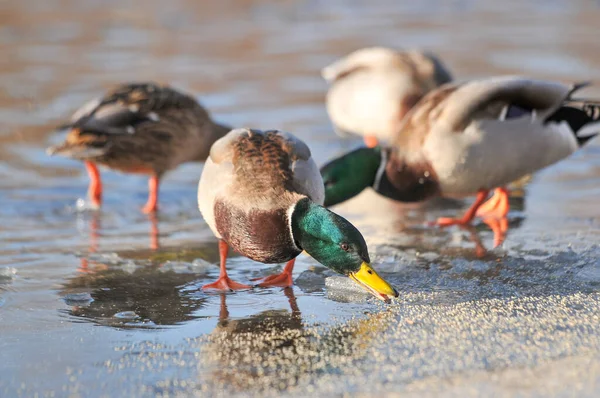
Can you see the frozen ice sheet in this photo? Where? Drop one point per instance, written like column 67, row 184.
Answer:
column 341, row 288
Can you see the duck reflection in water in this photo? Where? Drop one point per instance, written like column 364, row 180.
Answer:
column 252, row 348
column 148, row 296
column 95, row 232
column 276, row 349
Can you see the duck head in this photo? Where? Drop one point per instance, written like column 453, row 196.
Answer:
column 337, row 244
column 348, row 175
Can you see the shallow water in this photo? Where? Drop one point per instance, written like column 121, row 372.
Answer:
column 109, row 303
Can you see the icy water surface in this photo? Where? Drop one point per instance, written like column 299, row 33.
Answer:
column 110, row 303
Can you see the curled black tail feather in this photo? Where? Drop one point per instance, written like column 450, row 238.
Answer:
column 576, row 87
column 578, row 114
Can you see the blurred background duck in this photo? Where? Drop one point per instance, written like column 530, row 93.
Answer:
column 454, row 144
column 141, row 128
column 261, row 194
column 373, row 88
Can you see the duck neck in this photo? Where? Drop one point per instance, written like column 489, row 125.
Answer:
column 405, row 181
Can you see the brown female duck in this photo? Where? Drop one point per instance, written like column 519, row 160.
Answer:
column 141, row 128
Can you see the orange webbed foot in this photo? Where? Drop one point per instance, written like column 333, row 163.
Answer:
column 496, row 207
column 225, row 284
column 281, row 280
column 469, row 214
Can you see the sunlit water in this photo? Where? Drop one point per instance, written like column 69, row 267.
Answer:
column 90, row 300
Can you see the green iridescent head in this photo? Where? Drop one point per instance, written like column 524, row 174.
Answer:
column 348, row 175
column 337, row 244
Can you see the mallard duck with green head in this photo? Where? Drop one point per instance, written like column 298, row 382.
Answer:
column 261, row 194
column 454, row 144
column 374, row 88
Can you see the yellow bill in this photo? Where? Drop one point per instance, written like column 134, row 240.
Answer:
column 373, row 283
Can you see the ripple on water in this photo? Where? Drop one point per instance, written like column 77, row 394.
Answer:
column 243, row 300
column 131, row 319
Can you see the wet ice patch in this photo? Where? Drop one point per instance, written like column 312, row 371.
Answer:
column 130, row 319
column 7, row 274
column 340, row 288
column 105, row 258
column 78, row 299
column 126, row 315
column 429, row 256
column 198, row 266
column 127, row 265
column 310, row 281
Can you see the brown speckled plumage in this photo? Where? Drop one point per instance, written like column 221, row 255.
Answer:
column 264, row 159
column 141, row 128
column 249, row 184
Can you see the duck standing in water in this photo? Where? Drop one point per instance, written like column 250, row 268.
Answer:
column 261, row 194
column 141, row 128
column 453, row 144
column 373, row 88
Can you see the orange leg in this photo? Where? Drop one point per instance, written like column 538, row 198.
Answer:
column 497, row 206
column 153, row 231
column 224, row 283
column 499, row 227
column 152, row 203
column 95, row 189
column 281, row 280
column 371, row 141
column 469, row 214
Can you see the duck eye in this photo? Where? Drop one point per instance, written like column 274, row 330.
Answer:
column 345, row 247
